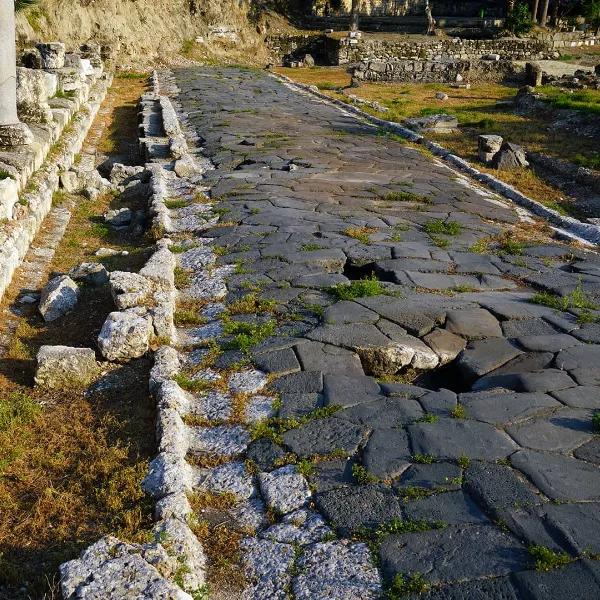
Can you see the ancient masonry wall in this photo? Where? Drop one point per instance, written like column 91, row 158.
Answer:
column 26, row 195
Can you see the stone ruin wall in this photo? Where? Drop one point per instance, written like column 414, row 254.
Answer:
column 399, row 8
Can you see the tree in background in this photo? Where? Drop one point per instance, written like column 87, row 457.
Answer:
column 519, row 20
column 354, row 16
column 591, row 10
column 430, row 19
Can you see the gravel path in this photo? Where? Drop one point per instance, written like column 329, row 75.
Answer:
column 442, row 483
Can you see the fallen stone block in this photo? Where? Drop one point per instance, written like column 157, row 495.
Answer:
column 52, row 54
column 126, row 334
column 58, row 297
column 93, row 274
column 63, row 367
column 509, row 157
column 488, row 146
column 129, row 289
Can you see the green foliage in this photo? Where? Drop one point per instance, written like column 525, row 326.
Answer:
column 131, row 75
column 582, row 100
column 327, row 85
column 173, row 203
column 519, row 20
column 182, row 278
column 362, row 288
column 576, row 299
column 362, row 475
column 423, row 459
column 17, row 410
column 428, row 418
column 459, row 412
column 546, row 559
column 64, row 95
column 438, row 226
column 508, row 246
column 590, row 160
column 463, row 461
column 24, row 4
column 4, row 174
column 246, row 335
column 596, row 421
column 310, row 247
column 403, row 196
column 591, row 10
column 192, row 385
column 403, row 586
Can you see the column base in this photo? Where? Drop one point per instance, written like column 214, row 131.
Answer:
column 17, row 134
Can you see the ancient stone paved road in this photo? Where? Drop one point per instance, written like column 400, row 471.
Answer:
column 493, row 452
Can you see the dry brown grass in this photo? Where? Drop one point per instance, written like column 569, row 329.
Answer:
column 71, row 465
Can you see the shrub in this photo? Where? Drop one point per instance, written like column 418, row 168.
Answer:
column 519, row 20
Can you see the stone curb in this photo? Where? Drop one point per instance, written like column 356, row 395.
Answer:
column 586, row 231
column 18, row 236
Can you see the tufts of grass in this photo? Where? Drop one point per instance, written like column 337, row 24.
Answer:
column 403, row 585
column 251, row 304
column 546, row 559
column 428, row 418
column 192, row 385
column 458, row 412
column 64, row 95
column 246, row 335
column 4, row 174
column 131, row 75
column 310, row 247
column 182, row 278
column 596, row 421
column 440, row 227
column 16, row 410
column 463, row 461
column 402, row 196
column 576, row 299
column 174, row 203
column 481, row 246
column 510, row 246
column 361, row 475
column 189, row 317
column 361, row 233
column 362, row 288
column 423, row 459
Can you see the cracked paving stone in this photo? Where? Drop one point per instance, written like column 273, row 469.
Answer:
column 259, row 408
column 305, row 382
column 284, row 489
column 346, row 312
column 453, row 438
column 445, row 344
column 387, row 453
column 265, row 453
column 496, row 488
column 473, row 323
column 383, row 413
column 331, row 474
column 345, row 507
column 297, row 405
column 345, row 391
column 280, row 362
column 546, row 380
column 438, row 475
column 324, row 437
column 498, row 588
column 482, row 356
column 582, row 396
column 340, row 570
column 559, row 477
column 453, row 554
column 315, row 356
column 547, row 343
column 440, row 403
column 250, row 514
column 578, row 524
column 590, row 451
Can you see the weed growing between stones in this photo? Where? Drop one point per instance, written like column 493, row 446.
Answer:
column 310, row 247
column 192, row 385
column 458, row 412
column 423, row 459
column 360, row 233
column 251, row 304
column 362, row 475
column 362, row 288
column 547, row 560
column 404, row 585
column 188, row 313
column 4, row 174
column 578, row 298
column 175, row 203
column 463, row 461
column 182, row 278
column 246, row 335
column 415, row 492
column 402, row 196
column 438, row 226
column 596, row 421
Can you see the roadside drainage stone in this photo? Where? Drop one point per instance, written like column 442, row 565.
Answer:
column 231, row 478
column 125, row 335
column 301, row 527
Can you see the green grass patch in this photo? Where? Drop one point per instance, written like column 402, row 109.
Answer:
column 192, row 385
column 246, row 335
column 402, row 196
column 327, row 85
column 576, row 299
column 423, row 459
column 512, row 247
column 581, row 100
column 173, row 203
column 590, row 160
column 361, row 475
column 310, row 247
column 188, row 316
column 405, row 585
column 4, row 174
column 458, row 412
column 596, row 421
column 251, row 304
column 547, row 560
column 17, row 410
column 439, row 227
column 362, row 234
column 182, row 278
column 362, row 288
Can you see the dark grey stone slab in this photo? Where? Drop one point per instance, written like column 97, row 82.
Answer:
column 349, row 509
column 546, row 380
column 345, row 312
column 331, row 474
column 589, row 333
column 482, row 356
column 583, row 396
column 306, row 382
column 579, row 525
column 579, row 357
column 453, row 438
column 403, row 390
column 558, row 476
column 342, row 390
column 500, row 407
column 264, row 453
column 384, row 413
column 325, row 436
column 526, row 327
column 496, row 487
column 498, row 588
column 387, row 453
column 352, row 335
column 547, row 343
column 589, row 452
column 315, row 356
column 586, row 375
column 453, row 554
column 441, row 402
column 296, row 405
column 280, row 362
column 576, row 581
column 561, row 432
column 525, row 363
column 473, row 323
column 441, row 475
column 451, row 508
